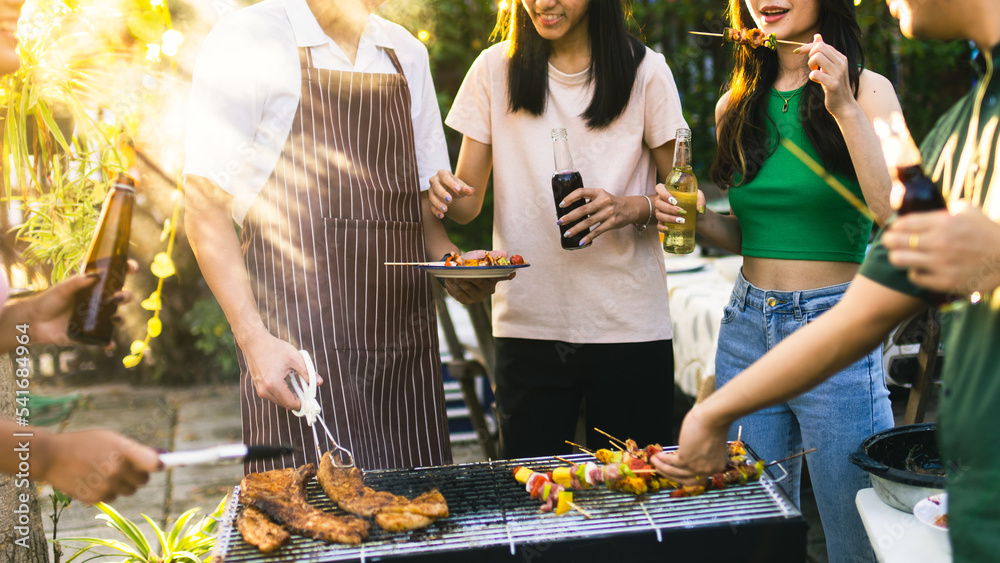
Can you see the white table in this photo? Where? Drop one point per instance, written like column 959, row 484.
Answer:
column 896, row 536
column 697, row 299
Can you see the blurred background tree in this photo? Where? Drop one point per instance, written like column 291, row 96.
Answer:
column 104, row 88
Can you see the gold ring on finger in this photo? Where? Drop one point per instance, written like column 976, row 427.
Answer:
column 914, row 241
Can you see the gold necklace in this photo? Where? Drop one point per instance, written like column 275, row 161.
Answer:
column 784, row 108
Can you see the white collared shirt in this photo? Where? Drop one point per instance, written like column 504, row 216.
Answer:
column 247, row 84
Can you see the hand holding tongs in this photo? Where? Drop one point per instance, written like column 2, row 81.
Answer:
column 311, row 411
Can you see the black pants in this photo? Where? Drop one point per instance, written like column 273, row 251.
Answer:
column 628, row 388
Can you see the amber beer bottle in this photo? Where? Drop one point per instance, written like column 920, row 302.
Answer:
column 107, row 256
column 565, row 180
column 920, row 194
column 683, row 186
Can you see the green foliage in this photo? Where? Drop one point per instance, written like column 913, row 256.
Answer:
column 60, row 501
column 214, row 337
column 67, row 114
column 182, row 543
column 458, row 31
column 930, row 76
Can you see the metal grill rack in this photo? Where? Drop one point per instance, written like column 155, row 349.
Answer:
column 494, row 519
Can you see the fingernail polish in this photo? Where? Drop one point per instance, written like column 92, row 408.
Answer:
column 701, row 209
column 562, row 204
column 559, row 222
column 443, row 208
column 440, row 215
column 672, row 200
column 682, row 211
column 568, row 234
column 447, row 198
column 796, row 51
column 583, row 242
column 680, row 220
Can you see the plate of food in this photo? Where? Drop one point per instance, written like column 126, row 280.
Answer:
column 473, row 264
column 933, row 513
column 440, row 270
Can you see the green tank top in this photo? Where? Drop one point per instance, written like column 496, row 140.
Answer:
column 789, row 212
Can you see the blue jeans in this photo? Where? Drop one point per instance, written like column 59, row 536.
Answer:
column 833, row 417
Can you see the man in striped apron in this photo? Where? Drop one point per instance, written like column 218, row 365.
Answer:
column 341, row 199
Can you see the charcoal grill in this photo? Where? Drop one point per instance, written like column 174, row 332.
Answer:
column 494, row 519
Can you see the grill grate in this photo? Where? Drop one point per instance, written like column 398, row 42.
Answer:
column 489, row 509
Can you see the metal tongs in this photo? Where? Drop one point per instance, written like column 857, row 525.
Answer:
column 312, row 412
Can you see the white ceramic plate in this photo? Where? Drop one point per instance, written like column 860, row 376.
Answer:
column 928, row 512
column 440, row 270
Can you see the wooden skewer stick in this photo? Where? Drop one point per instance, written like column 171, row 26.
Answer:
column 614, row 445
column 804, row 452
column 739, row 434
column 581, row 448
column 720, row 35
column 610, row 436
column 564, row 460
column 586, row 514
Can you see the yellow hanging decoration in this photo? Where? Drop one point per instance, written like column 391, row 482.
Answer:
column 154, row 326
column 152, row 303
column 163, row 266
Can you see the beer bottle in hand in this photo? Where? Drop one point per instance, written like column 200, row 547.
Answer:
column 914, row 192
column 919, row 192
column 107, row 256
column 683, row 186
column 565, row 180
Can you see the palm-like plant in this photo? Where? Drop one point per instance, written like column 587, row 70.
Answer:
column 186, row 541
column 68, row 114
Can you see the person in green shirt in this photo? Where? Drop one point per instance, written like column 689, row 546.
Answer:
column 955, row 251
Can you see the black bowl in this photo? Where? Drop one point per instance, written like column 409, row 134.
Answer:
column 904, row 463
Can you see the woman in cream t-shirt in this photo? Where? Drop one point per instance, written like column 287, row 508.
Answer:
column 593, row 324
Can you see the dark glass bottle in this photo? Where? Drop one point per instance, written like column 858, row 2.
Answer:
column 107, row 256
column 565, row 180
column 921, row 194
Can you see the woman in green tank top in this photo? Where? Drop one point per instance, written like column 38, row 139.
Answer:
column 802, row 242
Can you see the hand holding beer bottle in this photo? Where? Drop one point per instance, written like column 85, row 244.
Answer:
column 107, row 258
column 566, row 180
column 683, row 187
column 912, row 191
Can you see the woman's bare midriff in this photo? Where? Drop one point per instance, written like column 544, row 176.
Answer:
column 796, row 275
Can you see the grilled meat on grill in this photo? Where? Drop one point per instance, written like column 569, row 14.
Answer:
column 404, row 514
column 393, row 513
column 258, row 530
column 281, row 494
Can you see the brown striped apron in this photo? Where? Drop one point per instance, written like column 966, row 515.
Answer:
column 344, row 199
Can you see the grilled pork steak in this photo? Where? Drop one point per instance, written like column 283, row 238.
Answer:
column 258, row 530
column 281, row 494
column 393, row 513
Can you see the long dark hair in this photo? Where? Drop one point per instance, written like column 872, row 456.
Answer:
column 615, row 56
column 743, row 131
